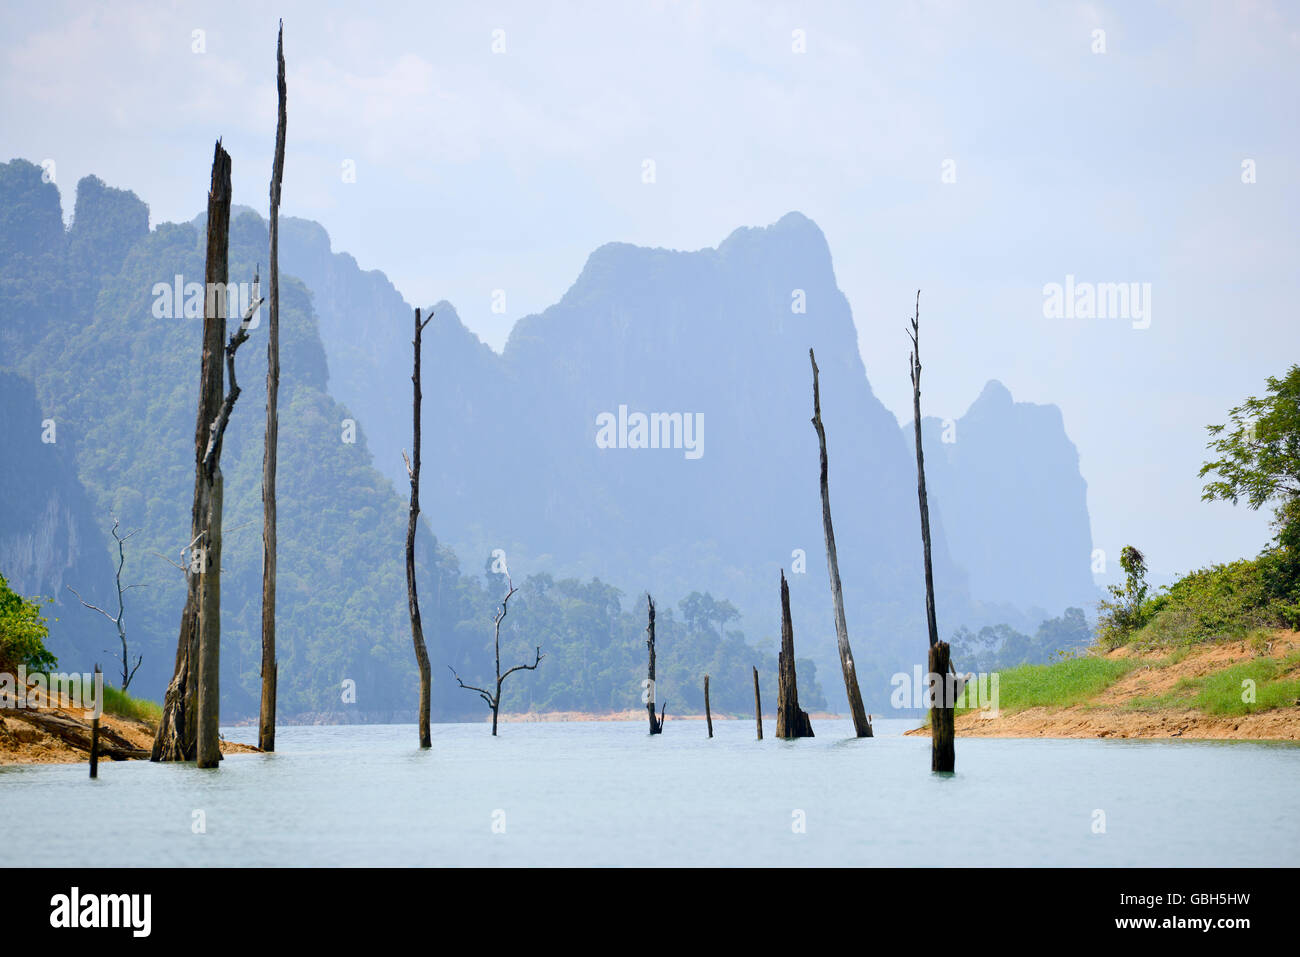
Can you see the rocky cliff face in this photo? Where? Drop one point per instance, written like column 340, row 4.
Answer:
column 50, row 536
column 1004, row 479
column 715, row 339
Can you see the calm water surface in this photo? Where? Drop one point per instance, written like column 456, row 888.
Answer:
column 606, row 793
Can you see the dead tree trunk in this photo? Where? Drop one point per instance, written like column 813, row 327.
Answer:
column 209, row 738
column 758, row 705
column 791, row 721
column 708, row 713
column 493, row 699
column 270, row 671
column 943, row 729
column 942, row 718
column 177, row 735
column 94, row 741
column 861, row 723
column 128, row 670
column 656, row 724
column 412, row 597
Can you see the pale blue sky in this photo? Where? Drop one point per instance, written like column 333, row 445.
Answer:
column 478, row 171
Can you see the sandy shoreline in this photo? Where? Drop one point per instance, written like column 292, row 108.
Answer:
column 46, row 734
column 1113, row 714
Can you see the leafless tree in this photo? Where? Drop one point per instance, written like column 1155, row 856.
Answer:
column 493, row 698
column 412, row 523
column 270, row 671
column 942, row 723
column 188, row 729
column 118, row 620
column 861, row 722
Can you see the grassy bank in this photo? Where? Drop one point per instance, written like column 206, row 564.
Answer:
column 123, row 705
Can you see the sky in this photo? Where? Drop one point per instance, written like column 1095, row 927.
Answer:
column 479, row 152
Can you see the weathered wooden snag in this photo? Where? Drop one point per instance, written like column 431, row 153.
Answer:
column 758, row 705
column 708, row 713
column 861, row 722
column 656, row 724
column 791, row 721
column 943, row 730
column 270, row 670
column 188, row 728
column 412, row 523
column 942, row 717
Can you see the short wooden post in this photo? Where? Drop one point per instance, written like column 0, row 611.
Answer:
column 94, row 734
column 758, row 706
column 708, row 713
column 943, row 754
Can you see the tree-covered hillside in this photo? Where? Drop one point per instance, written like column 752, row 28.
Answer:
column 116, row 365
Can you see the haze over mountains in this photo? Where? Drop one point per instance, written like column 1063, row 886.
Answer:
column 511, row 459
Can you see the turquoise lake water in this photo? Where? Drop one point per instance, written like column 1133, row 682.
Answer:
column 606, row 793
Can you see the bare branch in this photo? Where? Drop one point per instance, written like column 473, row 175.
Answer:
column 217, row 430
column 532, row 667
column 482, row 694
column 92, row 607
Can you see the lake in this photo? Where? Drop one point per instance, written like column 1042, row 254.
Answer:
column 606, row 793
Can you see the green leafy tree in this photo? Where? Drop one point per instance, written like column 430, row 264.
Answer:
column 1126, row 612
column 23, row 631
column 1258, row 451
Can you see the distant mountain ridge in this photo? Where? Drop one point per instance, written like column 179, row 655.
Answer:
column 512, row 461
column 515, row 463
column 1011, row 465
column 87, row 343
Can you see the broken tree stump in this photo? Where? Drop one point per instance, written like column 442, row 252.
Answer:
column 943, row 754
column 791, row 721
column 758, row 706
column 656, row 724
column 708, row 713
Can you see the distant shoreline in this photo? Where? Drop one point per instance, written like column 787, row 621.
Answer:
column 330, row 718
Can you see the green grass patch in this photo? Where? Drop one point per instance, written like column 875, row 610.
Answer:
column 123, row 705
column 1060, row 685
column 1224, row 693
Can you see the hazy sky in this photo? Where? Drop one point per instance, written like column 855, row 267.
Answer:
column 478, row 170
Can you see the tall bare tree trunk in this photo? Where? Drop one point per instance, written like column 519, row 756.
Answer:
column 270, row 670
column 861, row 723
column 412, row 597
column 791, row 721
column 178, row 729
column 656, row 724
column 942, row 718
column 758, row 705
column 209, row 738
